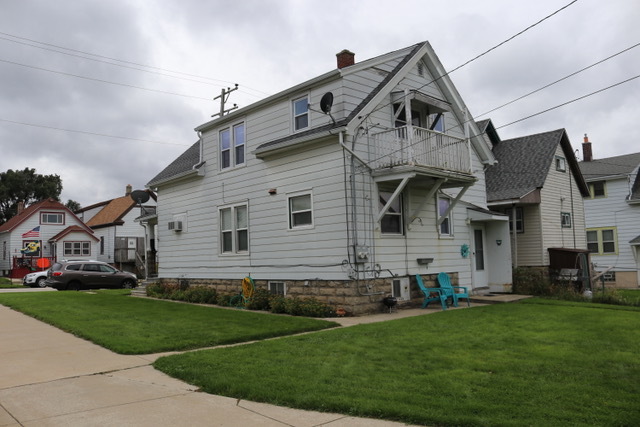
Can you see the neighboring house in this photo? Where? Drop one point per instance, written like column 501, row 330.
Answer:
column 122, row 238
column 612, row 210
column 342, row 188
column 41, row 234
column 538, row 184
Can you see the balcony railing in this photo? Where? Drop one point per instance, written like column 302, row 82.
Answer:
column 414, row 146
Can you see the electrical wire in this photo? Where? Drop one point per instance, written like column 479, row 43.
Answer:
column 89, row 133
column 558, row 81
column 477, row 56
column 103, row 81
column 568, row 102
column 104, row 58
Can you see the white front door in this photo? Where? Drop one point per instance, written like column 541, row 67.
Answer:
column 479, row 257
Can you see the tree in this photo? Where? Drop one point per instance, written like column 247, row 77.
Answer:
column 72, row 205
column 25, row 186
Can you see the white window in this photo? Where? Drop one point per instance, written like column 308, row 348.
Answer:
column 392, row 221
column 519, row 220
column 232, row 146
column 301, row 113
column 234, row 229
column 561, row 164
column 566, row 219
column 300, row 211
column 77, row 248
column 51, row 218
column 277, row 288
column 443, row 206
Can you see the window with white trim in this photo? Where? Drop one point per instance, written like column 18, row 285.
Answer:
column 277, row 288
column 392, row 222
column 300, row 211
column 519, row 220
column 234, row 229
column 51, row 218
column 232, row 146
column 561, row 164
column 301, row 113
column 446, row 228
column 77, row 248
column 565, row 219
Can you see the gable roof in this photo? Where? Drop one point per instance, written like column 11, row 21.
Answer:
column 610, row 167
column 187, row 164
column 28, row 212
column 72, row 229
column 112, row 213
column 184, row 165
column 523, row 165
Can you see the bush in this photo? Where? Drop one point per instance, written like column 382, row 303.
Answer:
column 277, row 305
column 182, row 292
column 259, row 300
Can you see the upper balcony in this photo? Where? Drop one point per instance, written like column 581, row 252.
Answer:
column 424, row 151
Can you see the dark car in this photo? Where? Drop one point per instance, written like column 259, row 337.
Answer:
column 76, row 275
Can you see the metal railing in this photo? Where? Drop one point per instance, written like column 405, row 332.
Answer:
column 420, row 147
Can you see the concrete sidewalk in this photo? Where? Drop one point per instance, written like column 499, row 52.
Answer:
column 52, row 378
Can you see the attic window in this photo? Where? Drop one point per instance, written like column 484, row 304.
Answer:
column 420, row 69
column 561, row 164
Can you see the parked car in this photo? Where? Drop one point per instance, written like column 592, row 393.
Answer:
column 35, row 279
column 76, row 275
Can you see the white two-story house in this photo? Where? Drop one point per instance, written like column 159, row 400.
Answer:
column 612, row 210
column 343, row 188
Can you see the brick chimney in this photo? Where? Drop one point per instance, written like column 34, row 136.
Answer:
column 128, row 190
column 345, row 58
column 587, row 154
column 20, row 207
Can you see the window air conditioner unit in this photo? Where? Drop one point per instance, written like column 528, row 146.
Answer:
column 175, row 225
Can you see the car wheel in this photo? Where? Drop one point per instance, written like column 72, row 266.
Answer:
column 40, row 282
column 128, row 284
column 73, row 286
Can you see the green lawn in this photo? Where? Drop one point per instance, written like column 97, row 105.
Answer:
column 531, row 363
column 129, row 325
column 6, row 283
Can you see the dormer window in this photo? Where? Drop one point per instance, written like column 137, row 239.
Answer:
column 301, row 113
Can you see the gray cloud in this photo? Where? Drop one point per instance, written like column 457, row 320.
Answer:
column 267, row 46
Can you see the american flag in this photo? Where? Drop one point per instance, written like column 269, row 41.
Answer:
column 33, row 233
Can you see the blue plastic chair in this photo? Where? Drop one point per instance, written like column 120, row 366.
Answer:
column 453, row 292
column 431, row 294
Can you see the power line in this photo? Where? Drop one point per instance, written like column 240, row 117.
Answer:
column 478, row 56
column 559, row 80
column 102, row 81
column 89, row 133
column 105, row 58
column 568, row 102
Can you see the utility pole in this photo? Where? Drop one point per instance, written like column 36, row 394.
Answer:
column 224, row 96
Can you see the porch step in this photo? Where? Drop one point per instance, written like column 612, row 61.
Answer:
column 141, row 289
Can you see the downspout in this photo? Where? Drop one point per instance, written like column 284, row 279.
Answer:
column 514, row 231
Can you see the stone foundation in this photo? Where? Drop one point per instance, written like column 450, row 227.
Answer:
column 355, row 297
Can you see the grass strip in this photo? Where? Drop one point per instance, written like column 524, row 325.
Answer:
column 129, row 325
column 539, row 363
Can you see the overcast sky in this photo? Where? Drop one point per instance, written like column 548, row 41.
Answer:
column 174, row 57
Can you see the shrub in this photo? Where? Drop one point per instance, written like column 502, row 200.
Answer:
column 259, row 300
column 277, row 305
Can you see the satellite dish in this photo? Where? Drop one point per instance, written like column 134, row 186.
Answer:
column 326, row 102
column 140, row 196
